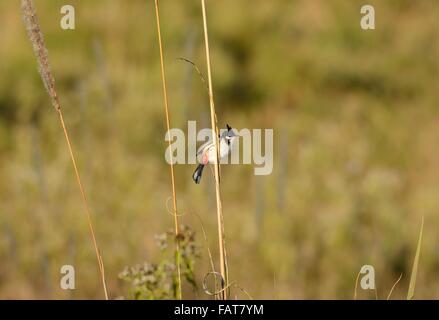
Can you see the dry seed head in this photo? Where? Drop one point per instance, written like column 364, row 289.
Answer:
column 36, row 37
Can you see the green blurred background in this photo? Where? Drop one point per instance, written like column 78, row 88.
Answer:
column 356, row 129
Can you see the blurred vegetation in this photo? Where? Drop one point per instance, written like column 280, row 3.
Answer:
column 159, row 280
column 356, row 160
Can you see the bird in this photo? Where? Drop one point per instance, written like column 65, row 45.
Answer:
column 207, row 153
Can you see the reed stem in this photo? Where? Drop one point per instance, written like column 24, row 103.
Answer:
column 40, row 50
column 174, row 196
column 219, row 210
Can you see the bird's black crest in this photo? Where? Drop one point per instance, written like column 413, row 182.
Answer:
column 228, row 127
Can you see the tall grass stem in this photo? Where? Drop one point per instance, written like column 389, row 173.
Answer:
column 36, row 37
column 411, row 290
column 174, row 196
column 213, row 120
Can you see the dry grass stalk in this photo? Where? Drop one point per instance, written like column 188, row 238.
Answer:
column 411, row 291
column 394, row 286
column 37, row 40
column 212, row 264
column 221, row 235
column 174, row 197
column 356, row 285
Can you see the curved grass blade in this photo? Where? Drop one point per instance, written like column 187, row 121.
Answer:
column 411, row 290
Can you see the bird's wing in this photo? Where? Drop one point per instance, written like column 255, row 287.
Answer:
column 204, row 147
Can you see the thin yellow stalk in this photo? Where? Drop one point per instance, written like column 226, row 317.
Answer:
column 356, row 285
column 219, row 210
column 36, row 38
column 411, row 291
column 174, row 196
column 393, row 287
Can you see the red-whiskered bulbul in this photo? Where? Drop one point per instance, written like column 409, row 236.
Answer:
column 207, row 153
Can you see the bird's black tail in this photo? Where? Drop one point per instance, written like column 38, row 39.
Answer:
column 197, row 173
